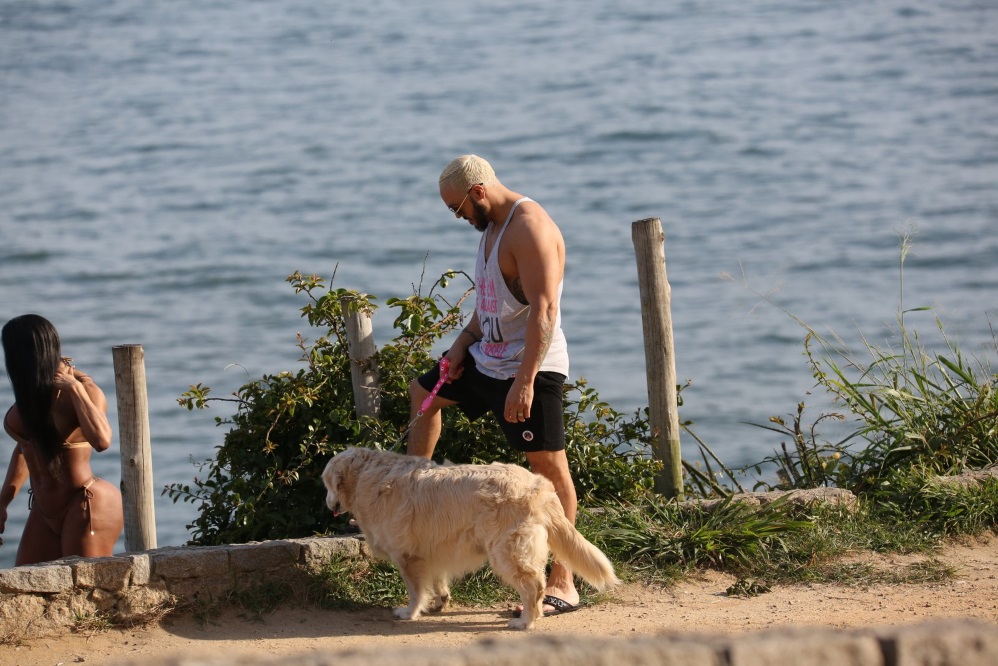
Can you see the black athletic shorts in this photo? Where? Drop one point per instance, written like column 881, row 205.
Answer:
column 477, row 394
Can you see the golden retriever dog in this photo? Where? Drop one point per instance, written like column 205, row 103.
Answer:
column 438, row 522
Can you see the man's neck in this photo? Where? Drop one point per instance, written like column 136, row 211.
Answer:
column 497, row 216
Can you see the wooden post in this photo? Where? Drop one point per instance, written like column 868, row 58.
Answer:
column 136, row 451
column 363, row 369
column 660, row 357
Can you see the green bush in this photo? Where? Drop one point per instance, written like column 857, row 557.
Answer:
column 264, row 481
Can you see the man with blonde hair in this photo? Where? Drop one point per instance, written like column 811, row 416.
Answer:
column 512, row 357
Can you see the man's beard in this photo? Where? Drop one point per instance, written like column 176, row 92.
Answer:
column 480, row 219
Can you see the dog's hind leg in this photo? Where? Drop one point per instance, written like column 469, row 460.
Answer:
column 414, row 575
column 520, row 562
column 441, row 594
column 531, row 589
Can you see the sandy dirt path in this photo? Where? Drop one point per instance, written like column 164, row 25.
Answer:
column 696, row 605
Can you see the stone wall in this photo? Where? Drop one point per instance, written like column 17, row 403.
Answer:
column 41, row 600
column 943, row 643
column 45, row 599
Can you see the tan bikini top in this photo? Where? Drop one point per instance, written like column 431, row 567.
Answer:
column 24, row 440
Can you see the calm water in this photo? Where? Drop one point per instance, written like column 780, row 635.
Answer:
column 165, row 165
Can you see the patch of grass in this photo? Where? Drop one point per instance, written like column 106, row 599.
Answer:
column 747, row 587
column 937, row 508
column 835, row 533
column 150, row 615
column 660, row 535
column 483, row 589
column 775, row 544
column 88, row 623
column 865, row 574
column 348, row 584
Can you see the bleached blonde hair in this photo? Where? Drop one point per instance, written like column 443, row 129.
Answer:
column 467, row 170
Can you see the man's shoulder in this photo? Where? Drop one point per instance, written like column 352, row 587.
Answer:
column 532, row 215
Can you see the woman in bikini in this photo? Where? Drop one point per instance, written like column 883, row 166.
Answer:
column 59, row 418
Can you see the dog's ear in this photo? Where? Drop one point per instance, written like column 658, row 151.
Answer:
column 327, row 475
column 344, row 477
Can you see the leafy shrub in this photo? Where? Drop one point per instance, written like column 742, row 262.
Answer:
column 264, row 482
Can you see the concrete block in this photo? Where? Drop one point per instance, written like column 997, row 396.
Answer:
column 141, row 569
column 532, row 650
column 942, row 643
column 805, row 647
column 180, row 563
column 39, row 579
column 316, row 552
column 107, row 573
column 263, row 556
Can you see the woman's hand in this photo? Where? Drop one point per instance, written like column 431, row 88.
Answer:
column 88, row 402
column 66, row 377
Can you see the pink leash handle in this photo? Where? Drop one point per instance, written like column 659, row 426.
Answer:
column 444, row 370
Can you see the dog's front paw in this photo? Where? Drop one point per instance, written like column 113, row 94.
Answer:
column 405, row 613
column 521, row 623
column 439, row 603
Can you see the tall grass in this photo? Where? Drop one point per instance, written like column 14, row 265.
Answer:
column 936, row 411
column 915, row 407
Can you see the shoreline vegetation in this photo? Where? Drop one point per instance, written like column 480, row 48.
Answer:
column 919, row 416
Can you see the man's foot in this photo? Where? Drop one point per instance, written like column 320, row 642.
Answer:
column 552, row 605
column 558, row 606
column 563, row 600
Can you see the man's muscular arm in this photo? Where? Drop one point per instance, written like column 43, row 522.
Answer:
column 468, row 336
column 538, row 255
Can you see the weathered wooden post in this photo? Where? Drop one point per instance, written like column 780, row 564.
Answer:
column 660, row 357
column 363, row 369
column 136, row 450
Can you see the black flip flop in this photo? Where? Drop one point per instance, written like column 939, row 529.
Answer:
column 560, row 606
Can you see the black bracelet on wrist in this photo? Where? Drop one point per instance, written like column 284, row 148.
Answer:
column 474, row 338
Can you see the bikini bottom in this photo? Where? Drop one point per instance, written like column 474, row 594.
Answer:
column 55, row 522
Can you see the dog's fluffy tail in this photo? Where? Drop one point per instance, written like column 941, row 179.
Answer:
column 575, row 551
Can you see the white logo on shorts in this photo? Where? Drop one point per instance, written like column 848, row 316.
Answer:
column 528, row 436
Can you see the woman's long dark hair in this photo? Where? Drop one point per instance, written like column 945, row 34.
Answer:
column 32, row 352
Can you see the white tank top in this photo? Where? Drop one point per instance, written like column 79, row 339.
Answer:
column 504, row 319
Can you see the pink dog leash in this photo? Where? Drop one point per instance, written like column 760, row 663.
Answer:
column 444, row 371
